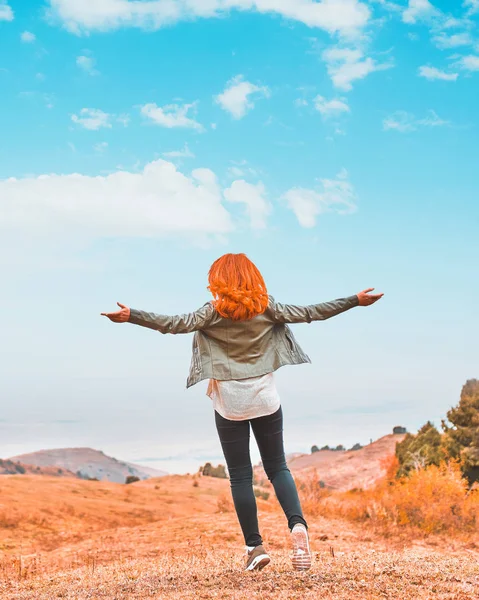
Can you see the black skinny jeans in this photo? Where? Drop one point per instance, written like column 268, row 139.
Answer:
column 234, row 438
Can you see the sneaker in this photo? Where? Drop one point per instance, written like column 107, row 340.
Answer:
column 301, row 557
column 256, row 558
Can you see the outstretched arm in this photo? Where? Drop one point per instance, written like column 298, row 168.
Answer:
column 185, row 323
column 290, row 313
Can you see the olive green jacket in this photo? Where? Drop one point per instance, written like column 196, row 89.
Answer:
column 227, row 349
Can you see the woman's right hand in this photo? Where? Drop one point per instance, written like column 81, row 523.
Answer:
column 365, row 298
column 121, row 316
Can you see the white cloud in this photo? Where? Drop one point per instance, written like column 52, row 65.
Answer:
column 241, row 169
column 124, row 119
column 87, row 64
column 392, row 6
column 335, row 195
column 158, row 201
column 418, row 10
column 6, row 13
column 100, row 147
column 300, row 102
column 172, row 115
column 235, row 171
column 469, row 63
column 344, row 17
column 432, row 120
column 331, row 108
column 236, row 97
column 47, row 99
column 346, row 65
column 253, row 196
column 399, row 121
column 185, row 152
column 92, row 119
column 28, row 37
column 405, row 122
column 40, row 77
column 444, row 41
column 433, row 74
column 472, row 5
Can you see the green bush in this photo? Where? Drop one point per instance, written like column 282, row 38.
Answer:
column 420, row 450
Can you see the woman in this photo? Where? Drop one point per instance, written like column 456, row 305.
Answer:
column 241, row 337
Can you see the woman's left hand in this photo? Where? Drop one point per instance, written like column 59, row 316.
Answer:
column 366, row 299
column 121, row 316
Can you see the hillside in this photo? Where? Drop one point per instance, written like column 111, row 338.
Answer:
column 177, row 537
column 345, row 470
column 88, row 463
column 11, row 467
column 39, row 513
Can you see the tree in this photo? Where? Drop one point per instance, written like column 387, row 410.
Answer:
column 209, row 471
column 461, row 438
column 314, row 449
column 206, row 469
column 420, row 450
column 132, row 479
column 356, row 447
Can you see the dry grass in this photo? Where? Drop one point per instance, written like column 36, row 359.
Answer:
column 216, row 573
column 435, row 500
column 172, row 539
column 42, row 513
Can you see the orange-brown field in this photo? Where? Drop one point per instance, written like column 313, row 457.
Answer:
column 177, row 537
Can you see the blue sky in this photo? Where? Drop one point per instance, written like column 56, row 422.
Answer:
column 334, row 142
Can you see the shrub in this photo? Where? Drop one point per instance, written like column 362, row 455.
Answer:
column 259, row 493
column 356, row 447
column 312, row 491
column 435, row 499
column 132, row 479
column 224, row 504
column 209, row 471
column 420, row 450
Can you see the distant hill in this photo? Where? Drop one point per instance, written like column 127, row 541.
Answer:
column 11, row 467
column 345, row 470
column 87, row 463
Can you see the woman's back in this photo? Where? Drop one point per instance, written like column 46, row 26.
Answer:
column 227, row 349
column 242, row 341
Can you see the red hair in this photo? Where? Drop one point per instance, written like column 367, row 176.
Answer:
column 238, row 287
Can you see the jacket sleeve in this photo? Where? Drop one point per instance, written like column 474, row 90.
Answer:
column 175, row 323
column 289, row 313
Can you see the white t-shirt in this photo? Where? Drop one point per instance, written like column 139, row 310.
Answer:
column 241, row 399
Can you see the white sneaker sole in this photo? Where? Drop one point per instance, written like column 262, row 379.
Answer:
column 301, row 557
column 258, row 563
